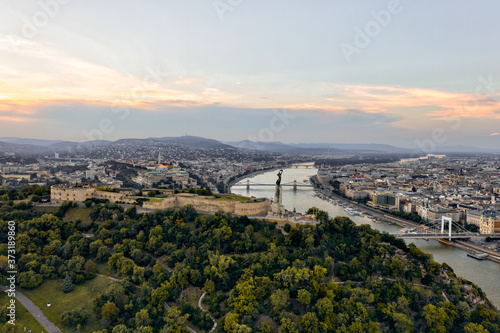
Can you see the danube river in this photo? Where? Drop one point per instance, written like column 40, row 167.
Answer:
column 486, row 273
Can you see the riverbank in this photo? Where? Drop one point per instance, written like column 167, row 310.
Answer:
column 383, row 216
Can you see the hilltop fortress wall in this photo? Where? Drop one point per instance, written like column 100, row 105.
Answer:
column 257, row 207
column 211, row 205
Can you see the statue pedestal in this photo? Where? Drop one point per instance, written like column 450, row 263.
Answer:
column 277, row 206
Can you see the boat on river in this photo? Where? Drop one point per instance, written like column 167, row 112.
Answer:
column 479, row 256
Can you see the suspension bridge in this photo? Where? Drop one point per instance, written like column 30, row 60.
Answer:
column 439, row 229
column 293, row 184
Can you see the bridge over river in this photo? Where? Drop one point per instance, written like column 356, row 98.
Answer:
column 433, row 231
column 293, row 184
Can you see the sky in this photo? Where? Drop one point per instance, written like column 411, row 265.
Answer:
column 407, row 73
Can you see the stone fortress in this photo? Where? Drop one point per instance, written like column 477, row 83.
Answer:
column 229, row 203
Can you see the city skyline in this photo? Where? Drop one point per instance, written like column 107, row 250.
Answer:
column 388, row 72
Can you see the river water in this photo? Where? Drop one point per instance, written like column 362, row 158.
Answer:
column 485, row 274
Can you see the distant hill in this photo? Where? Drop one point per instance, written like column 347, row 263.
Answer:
column 35, row 142
column 260, row 146
column 195, row 141
column 316, row 148
column 354, row 147
column 464, row 149
column 66, row 144
column 278, row 147
column 23, row 149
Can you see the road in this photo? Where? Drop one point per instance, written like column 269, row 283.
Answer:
column 372, row 211
column 35, row 311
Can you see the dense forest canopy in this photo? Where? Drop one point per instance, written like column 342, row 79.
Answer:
column 332, row 277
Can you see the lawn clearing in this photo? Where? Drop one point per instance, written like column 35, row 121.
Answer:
column 192, row 295
column 81, row 298
column 78, row 213
column 47, row 209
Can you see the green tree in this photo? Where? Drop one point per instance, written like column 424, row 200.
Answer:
column 30, row 279
column 265, row 327
column 242, row 297
column 221, row 187
column 279, row 299
column 309, row 323
column 174, row 321
column 161, row 294
column 288, row 326
column 121, row 329
column 325, row 311
column 397, row 266
column 321, row 215
column 110, row 311
column 75, row 318
column 402, row 323
column 304, row 297
column 142, row 318
column 90, row 267
column 435, row 318
column 67, row 285
column 222, row 234
column 218, row 270
column 232, row 325
column 475, row 328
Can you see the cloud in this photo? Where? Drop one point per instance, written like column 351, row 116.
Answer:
column 18, row 119
column 494, row 134
column 378, row 99
column 39, row 72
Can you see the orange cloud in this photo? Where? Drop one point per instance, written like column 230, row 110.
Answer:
column 494, row 134
column 41, row 76
column 39, row 72
column 434, row 103
column 18, row 119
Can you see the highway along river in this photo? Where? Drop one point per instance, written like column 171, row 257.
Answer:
column 486, row 273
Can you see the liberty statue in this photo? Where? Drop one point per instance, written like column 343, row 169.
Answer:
column 277, row 206
column 278, row 182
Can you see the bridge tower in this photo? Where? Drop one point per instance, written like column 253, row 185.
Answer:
column 295, row 185
column 447, row 219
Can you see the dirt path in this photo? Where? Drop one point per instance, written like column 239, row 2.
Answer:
column 213, row 319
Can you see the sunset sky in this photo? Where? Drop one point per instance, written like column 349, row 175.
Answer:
column 394, row 72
